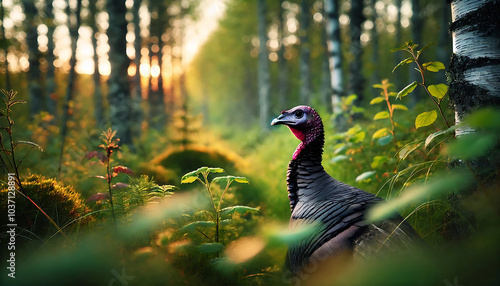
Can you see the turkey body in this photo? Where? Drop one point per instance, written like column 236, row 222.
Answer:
column 337, row 210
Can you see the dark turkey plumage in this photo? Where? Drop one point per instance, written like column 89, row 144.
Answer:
column 338, row 209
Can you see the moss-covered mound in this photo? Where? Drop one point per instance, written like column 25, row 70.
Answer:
column 168, row 167
column 62, row 203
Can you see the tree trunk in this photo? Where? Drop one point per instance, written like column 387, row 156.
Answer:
column 118, row 83
column 326, row 80
column 416, row 34
column 51, row 102
column 444, row 41
column 282, row 64
column 374, row 39
column 136, row 80
column 305, row 54
column 263, row 69
column 4, row 39
column 475, row 66
column 335, row 52
column 474, row 75
column 398, row 40
column 73, row 33
column 98, row 104
column 35, row 90
column 356, row 80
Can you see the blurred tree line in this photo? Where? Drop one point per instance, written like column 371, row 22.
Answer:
column 137, row 57
column 317, row 51
column 265, row 56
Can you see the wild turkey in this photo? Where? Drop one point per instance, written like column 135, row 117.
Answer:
column 338, row 209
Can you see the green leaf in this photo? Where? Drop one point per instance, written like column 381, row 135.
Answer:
column 393, row 93
column 339, row 158
column 378, row 85
column 191, row 227
column 407, row 90
column 380, row 133
column 32, row 144
column 358, row 137
column 425, row 119
column 408, row 149
column 401, row 48
column 376, row 100
column 433, row 66
column 385, row 140
column 357, row 109
column 438, row 90
column 365, row 176
column 353, row 130
column 378, row 161
column 215, row 170
column 403, row 62
column 350, row 99
column 210, row 247
column 339, row 148
column 188, row 179
column 242, row 180
column 424, row 48
column 439, row 133
column 472, row 145
column 442, row 184
column 381, row 115
column 16, row 102
column 486, row 118
column 399, row 107
column 238, row 209
column 297, row 232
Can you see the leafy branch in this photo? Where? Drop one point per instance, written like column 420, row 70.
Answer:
column 110, row 146
column 435, row 92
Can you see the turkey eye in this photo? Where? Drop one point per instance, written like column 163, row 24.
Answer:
column 299, row 113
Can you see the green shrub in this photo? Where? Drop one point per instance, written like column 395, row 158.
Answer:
column 62, row 203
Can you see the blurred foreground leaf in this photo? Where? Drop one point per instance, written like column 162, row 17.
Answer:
column 446, row 183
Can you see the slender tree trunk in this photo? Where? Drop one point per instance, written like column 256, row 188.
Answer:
column 374, row 35
column 263, row 70
column 282, row 64
column 118, row 83
column 335, row 52
column 398, row 40
column 73, row 32
column 305, row 54
column 136, row 80
column 444, row 40
column 6, row 63
column 416, row 34
column 98, row 99
column 356, row 80
column 50, row 81
column 326, row 80
column 35, row 90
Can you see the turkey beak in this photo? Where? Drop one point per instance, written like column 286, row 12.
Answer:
column 279, row 120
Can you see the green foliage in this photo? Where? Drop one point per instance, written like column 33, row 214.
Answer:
column 216, row 199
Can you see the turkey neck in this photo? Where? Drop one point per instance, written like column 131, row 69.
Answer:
column 304, row 167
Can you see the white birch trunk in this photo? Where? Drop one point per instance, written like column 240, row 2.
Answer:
column 476, row 57
column 335, row 56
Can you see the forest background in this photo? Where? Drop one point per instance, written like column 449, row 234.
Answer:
column 188, row 84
